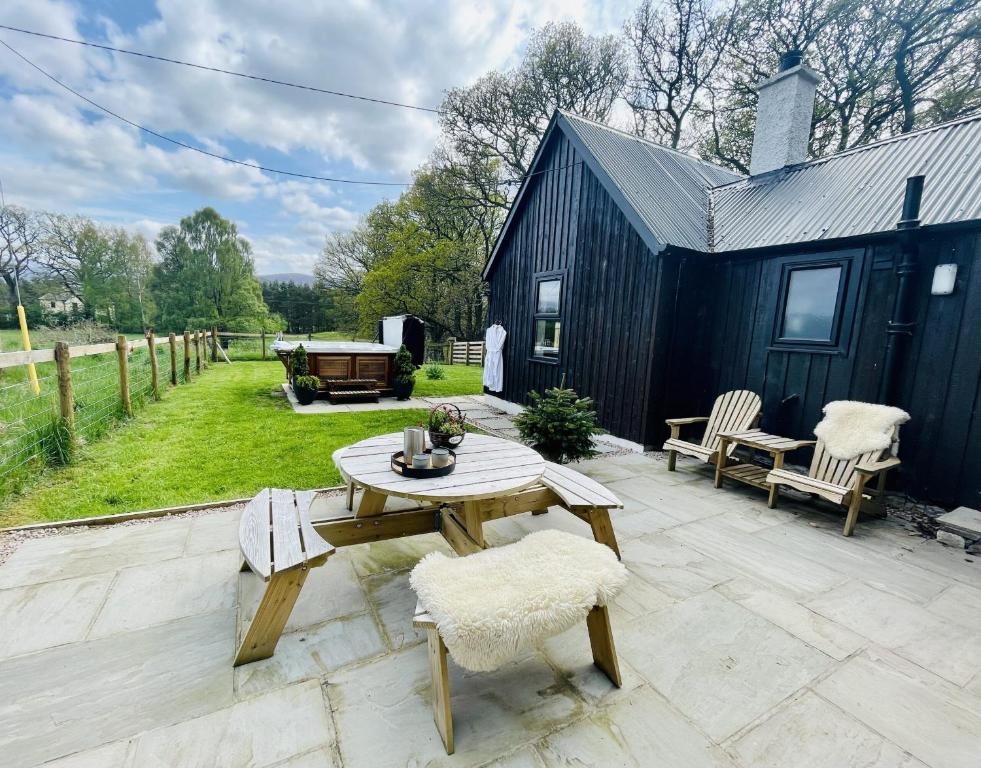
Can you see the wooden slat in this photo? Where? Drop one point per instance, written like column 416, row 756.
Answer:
column 253, row 535
column 11, row 359
column 313, row 544
column 576, row 489
column 287, row 548
column 347, row 531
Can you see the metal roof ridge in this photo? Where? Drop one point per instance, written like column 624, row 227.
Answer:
column 654, row 144
column 779, row 173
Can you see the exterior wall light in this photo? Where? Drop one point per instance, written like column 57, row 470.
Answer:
column 944, row 277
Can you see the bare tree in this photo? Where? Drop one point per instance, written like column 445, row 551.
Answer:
column 932, row 41
column 344, row 261
column 677, row 47
column 20, row 245
column 503, row 115
column 885, row 68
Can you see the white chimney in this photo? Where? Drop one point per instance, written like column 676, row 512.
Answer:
column 783, row 116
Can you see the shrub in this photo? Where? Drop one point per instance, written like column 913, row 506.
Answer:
column 435, row 371
column 405, row 369
column 298, row 362
column 309, row 383
column 559, row 425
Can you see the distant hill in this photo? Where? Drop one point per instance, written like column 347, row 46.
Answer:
column 288, row 277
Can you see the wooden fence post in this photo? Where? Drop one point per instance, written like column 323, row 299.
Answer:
column 197, row 351
column 263, row 334
column 122, row 352
column 66, row 399
column 154, row 372
column 187, row 357
column 204, row 348
column 173, row 359
column 214, row 343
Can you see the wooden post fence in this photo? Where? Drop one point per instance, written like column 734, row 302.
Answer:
column 66, row 399
column 204, row 349
column 197, row 351
column 173, row 359
column 214, row 343
column 187, row 357
column 154, row 371
column 122, row 352
column 263, row 335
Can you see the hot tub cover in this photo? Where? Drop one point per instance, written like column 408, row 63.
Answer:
column 341, row 347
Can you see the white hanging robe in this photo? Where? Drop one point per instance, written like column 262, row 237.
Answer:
column 493, row 359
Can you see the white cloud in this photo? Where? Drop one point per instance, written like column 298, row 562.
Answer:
column 59, row 154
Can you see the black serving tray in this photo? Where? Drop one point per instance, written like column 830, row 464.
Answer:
column 407, row 470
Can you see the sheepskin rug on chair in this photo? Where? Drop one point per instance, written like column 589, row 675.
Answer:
column 491, row 605
column 850, row 428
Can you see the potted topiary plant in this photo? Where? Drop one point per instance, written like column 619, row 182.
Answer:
column 405, row 374
column 445, row 426
column 305, row 388
column 299, row 366
column 559, row 425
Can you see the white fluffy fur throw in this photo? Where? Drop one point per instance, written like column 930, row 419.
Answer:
column 490, row 605
column 850, row 428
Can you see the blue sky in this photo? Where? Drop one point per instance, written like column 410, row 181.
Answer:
column 58, row 154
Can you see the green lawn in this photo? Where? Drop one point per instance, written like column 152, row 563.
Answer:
column 223, row 436
column 460, row 380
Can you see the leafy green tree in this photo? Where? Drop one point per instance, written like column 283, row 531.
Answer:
column 428, row 249
column 206, row 276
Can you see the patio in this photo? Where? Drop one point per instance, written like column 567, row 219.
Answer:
column 747, row 637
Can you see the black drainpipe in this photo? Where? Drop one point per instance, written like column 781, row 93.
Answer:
column 900, row 327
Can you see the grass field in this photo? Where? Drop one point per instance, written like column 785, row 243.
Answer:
column 460, row 380
column 226, row 435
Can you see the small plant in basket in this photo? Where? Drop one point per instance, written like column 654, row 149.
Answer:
column 445, row 426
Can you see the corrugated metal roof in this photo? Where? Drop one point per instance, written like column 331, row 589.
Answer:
column 856, row 192
column 669, row 190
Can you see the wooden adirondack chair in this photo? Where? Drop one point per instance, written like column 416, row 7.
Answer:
column 842, row 481
column 733, row 411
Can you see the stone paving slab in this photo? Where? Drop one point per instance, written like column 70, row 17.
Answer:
column 747, row 638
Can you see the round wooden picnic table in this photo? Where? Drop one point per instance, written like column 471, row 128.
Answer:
column 486, row 468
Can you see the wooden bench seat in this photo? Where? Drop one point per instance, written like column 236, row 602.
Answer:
column 487, row 609
column 280, row 546
column 586, row 499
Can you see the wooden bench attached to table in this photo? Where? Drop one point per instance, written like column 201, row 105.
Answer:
column 280, row 546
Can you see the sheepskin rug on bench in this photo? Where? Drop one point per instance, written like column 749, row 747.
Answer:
column 491, row 605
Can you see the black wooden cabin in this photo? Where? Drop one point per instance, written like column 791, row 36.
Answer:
column 652, row 281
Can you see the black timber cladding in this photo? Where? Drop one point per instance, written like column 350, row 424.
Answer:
column 652, row 330
column 723, row 342
column 570, row 225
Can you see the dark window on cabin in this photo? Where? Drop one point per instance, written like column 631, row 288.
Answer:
column 548, row 322
column 816, row 303
column 811, row 304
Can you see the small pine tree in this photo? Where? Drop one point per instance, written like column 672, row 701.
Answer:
column 299, row 363
column 405, row 369
column 559, row 425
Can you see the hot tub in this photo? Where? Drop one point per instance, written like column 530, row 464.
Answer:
column 342, row 360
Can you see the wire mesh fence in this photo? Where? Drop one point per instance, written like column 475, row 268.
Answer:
column 32, row 433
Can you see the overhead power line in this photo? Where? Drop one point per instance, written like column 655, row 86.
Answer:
column 232, row 160
column 191, row 147
column 219, row 70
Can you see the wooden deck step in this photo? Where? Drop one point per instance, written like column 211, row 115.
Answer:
column 343, row 384
column 353, row 394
